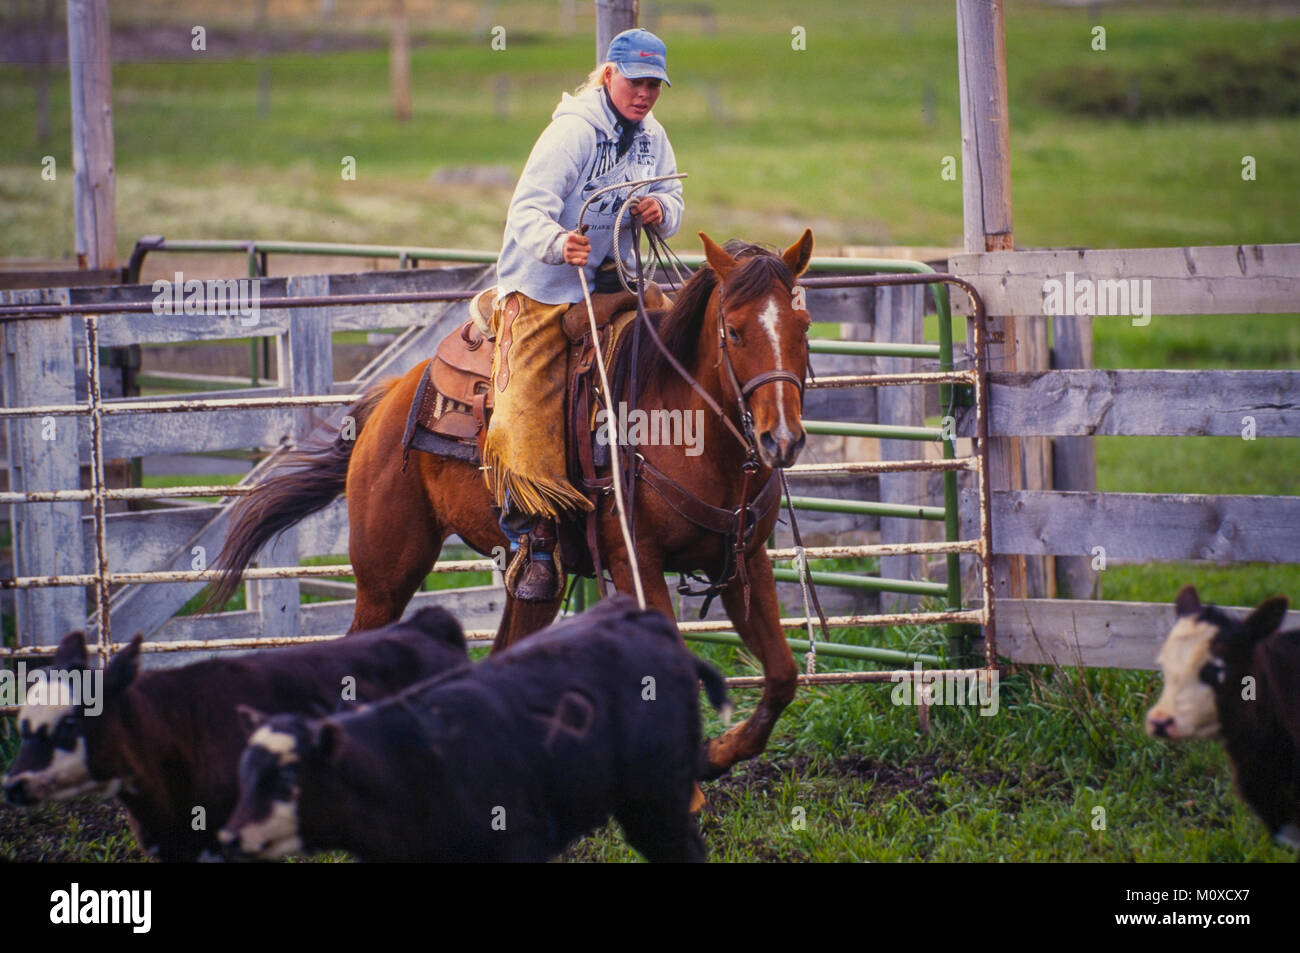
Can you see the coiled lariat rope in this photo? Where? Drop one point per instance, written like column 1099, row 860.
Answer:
column 616, row 469
column 634, row 186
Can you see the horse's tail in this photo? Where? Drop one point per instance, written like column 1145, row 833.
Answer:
column 306, row 481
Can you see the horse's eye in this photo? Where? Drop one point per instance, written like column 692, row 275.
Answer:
column 733, row 334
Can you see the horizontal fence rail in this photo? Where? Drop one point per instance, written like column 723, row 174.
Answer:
column 1079, row 403
column 1146, row 526
column 1214, row 279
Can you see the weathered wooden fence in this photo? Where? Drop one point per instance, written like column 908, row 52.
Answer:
column 41, row 369
column 45, row 360
column 1083, row 403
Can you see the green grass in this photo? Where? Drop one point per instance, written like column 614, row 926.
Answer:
column 1022, row 785
column 1214, row 80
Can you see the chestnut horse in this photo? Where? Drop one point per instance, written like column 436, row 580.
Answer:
column 733, row 323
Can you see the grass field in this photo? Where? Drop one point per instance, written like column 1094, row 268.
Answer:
column 848, row 136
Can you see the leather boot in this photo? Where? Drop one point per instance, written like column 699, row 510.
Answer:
column 535, row 573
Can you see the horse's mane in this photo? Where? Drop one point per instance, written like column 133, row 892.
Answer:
column 679, row 327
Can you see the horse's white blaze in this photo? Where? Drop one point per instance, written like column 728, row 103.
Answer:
column 771, row 321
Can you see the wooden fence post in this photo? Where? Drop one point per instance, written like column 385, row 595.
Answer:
column 1074, row 459
column 986, row 213
column 612, row 18
column 43, row 455
column 305, row 358
column 399, row 62
column 91, row 93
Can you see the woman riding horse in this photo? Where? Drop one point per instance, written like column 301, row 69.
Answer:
column 603, row 135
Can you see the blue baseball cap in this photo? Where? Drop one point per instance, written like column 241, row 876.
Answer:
column 639, row 54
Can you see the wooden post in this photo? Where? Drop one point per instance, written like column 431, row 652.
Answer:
column 305, row 358
column 91, row 79
column 38, row 370
column 263, row 30
column 612, row 18
column 1034, row 354
column 1074, row 459
column 43, row 72
column 899, row 319
column 986, row 215
column 399, row 63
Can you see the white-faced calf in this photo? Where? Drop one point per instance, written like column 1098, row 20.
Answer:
column 167, row 742
column 1239, row 681
column 509, row 760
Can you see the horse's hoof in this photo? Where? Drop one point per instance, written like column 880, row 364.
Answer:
column 707, row 769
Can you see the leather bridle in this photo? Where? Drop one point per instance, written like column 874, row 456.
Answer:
column 743, row 392
column 744, row 518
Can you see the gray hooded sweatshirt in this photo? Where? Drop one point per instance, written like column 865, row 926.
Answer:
column 576, row 155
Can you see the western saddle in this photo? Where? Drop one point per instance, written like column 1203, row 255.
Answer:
column 453, row 402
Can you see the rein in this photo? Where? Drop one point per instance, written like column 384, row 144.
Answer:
column 733, row 561
column 745, row 517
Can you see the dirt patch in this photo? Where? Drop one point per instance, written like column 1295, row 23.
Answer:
column 67, row 831
column 881, row 782
column 87, row 830
column 765, row 778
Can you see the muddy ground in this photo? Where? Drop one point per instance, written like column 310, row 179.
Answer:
column 89, row 830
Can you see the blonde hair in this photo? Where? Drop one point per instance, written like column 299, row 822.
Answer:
column 595, row 78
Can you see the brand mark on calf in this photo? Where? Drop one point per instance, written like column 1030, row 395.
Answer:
column 573, row 716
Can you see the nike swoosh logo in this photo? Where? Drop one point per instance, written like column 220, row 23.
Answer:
column 647, row 54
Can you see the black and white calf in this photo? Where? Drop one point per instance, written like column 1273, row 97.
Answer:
column 167, row 742
column 1239, row 681
column 510, row 760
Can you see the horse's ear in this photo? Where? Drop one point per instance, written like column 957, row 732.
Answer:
column 798, row 255
column 718, row 259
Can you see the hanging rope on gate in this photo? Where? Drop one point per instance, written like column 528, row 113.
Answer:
column 800, row 564
column 805, row 581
